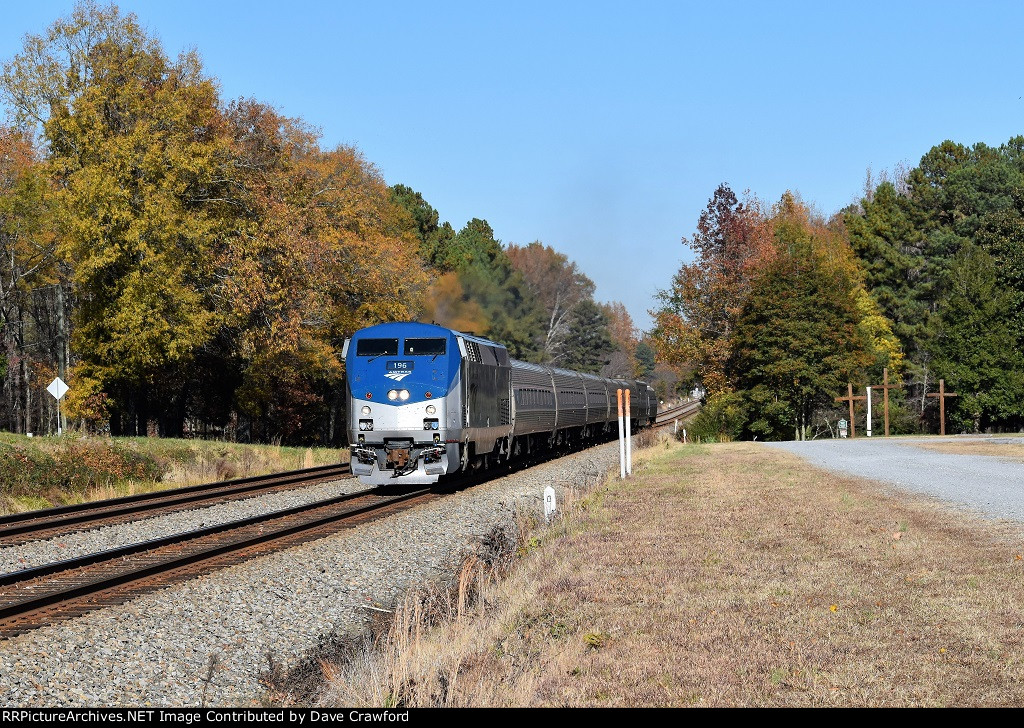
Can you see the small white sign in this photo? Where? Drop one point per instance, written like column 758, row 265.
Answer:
column 550, row 505
column 58, row 389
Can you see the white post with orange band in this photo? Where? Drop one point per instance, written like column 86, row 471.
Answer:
column 622, row 440
column 629, row 438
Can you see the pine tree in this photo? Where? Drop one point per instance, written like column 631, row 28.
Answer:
column 976, row 350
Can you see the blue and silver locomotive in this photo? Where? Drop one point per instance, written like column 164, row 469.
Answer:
column 426, row 401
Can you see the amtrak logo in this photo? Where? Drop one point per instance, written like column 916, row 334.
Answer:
column 397, row 376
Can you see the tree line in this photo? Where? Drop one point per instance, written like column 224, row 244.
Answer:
column 192, row 266
column 781, row 308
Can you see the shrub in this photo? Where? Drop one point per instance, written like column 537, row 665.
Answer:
column 720, row 420
column 71, row 467
column 646, row 438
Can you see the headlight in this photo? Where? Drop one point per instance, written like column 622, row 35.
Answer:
column 392, row 394
column 431, row 409
column 366, row 410
column 403, row 394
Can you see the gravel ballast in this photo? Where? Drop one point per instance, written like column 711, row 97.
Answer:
column 985, row 485
column 208, row 640
column 71, row 545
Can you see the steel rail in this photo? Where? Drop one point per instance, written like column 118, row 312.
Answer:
column 22, row 606
column 120, row 552
column 32, row 600
column 675, row 412
column 75, row 517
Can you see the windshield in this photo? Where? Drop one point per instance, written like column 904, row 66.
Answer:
column 425, row 347
column 376, row 347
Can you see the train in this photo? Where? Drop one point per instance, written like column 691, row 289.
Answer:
column 425, row 401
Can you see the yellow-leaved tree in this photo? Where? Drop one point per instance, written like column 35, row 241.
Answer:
column 212, row 257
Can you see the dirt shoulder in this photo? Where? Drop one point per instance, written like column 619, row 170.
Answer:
column 1012, row 450
column 735, row 575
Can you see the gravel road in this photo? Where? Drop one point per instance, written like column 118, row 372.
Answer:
column 990, row 486
column 158, row 650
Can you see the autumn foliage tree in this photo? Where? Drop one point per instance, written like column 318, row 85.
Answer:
column 695, row 323
column 559, row 286
column 773, row 318
column 798, row 337
column 317, row 250
column 474, row 285
column 192, row 266
column 212, row 256
column 27, row 279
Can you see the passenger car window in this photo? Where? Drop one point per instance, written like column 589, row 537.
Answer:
column 376, row 347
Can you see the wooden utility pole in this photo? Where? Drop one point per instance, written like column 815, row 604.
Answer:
column 885, row 387
column 942, row 394
column 849, row 397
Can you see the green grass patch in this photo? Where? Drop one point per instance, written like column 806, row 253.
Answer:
column 40, row 472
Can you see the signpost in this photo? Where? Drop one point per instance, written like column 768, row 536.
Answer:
column 942, row 394
column 850, row 398
column 58, row 389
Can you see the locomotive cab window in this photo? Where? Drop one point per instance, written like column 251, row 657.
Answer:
column 425, row 347
column 377, row 347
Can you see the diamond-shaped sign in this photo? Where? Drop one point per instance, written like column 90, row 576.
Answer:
column 57, row 388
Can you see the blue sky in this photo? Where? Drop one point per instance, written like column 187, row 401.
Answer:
column 601, row 128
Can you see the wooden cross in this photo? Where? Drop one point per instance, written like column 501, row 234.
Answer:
column 942, row 394
column 885, row 387
column 849, row 397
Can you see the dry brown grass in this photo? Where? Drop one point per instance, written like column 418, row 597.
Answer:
column 725, row 575
column 1011, row 451
column 225, row 462
column 214, row 463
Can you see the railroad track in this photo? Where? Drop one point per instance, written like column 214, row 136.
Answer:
column 682, row 411
column 53, row 592
column 42, row 595
column 45, row 594
column 22, row 528
column 35, row 525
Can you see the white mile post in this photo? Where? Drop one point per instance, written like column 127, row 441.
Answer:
column 550, row 504
column 622, row 441
column 629, row 438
